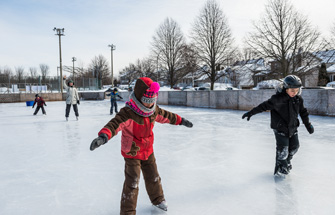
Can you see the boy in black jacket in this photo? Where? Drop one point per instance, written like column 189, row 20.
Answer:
column 285, row 106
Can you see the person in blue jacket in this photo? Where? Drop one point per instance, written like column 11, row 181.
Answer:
column 114, row 94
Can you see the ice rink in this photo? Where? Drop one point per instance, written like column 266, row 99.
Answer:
column 223, row 165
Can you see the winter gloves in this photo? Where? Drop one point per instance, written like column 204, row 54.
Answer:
column 186, row 123
column 248, row 115
column 309, row 128
column 102, row 139
column 78, row 102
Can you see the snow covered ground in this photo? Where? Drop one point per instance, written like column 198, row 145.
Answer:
column 223, row 165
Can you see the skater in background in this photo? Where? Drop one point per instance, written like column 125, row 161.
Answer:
column 136, row 121
column 114, row 94
column 285, row 106
column 72, row 98
column 40, row 102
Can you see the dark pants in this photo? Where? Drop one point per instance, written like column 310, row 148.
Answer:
column 38, row 109
column 132, row 177
column 113, row 104
column 68, row 107
column 286, row 147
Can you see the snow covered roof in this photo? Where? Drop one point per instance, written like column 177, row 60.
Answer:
column 195, row 74
column 327, row 56
column 265, row 72
column 331, row 69
column 202, row 78
column 268, row 84
column 258, row 61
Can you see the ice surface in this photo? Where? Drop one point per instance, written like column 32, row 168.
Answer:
column 223, row 165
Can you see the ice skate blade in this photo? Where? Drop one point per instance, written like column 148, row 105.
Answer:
column 157, row 211
column 280, row 175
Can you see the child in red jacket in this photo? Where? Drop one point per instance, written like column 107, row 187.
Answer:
column 40, row 102
column 136, row 122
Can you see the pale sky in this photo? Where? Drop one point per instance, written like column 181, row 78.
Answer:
column 27, row 38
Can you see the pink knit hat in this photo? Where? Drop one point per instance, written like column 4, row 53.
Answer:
column 146, row 90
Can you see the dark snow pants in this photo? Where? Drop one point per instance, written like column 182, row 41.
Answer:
column 132, row 177
column 286, row 147
column 38, row 109
column 113, row 104
column 68, row 107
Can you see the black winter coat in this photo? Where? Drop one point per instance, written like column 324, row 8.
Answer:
column 284, row 112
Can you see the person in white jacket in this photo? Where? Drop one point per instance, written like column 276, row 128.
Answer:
column 72, row 98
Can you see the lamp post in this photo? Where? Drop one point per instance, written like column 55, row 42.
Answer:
column 73, row 60
column 112, row 49
column 60, row 32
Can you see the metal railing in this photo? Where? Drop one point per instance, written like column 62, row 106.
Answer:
column 51, row 84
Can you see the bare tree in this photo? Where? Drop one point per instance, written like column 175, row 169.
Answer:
column 19, row 73
column 5, row 76
column 190, row 61
column 333, row 35
column 248, row 53
column 44, row 71
column 212, row 39
column 285, row 36
column 33, row 72
column 100, row 69
column 147, row 68
column 167, row 45
column 130, row 73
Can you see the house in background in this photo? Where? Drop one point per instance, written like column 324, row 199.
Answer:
column 308, row 68
column 246, row 74
column 328, row 58
column 331, row 72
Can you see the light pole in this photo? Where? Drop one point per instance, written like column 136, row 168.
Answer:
column 112, row 49
column 73, row 60
column 60, row 32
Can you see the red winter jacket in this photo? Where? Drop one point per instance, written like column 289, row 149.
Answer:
column 137, row 136
column 39, row 101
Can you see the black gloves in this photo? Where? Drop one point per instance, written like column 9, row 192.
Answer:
column 186, row 123
column 102, row 139
column 78, row 102
column 45, row 104
column 247, row 114
column 121, row 97
column 309, row 128
column 32, row 107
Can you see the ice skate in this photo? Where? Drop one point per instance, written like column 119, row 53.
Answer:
column 77, row 118
column 163, row 205
column 281, row 171
column 67, row 118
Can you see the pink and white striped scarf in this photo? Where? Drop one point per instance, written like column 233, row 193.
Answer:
column 139, row 108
